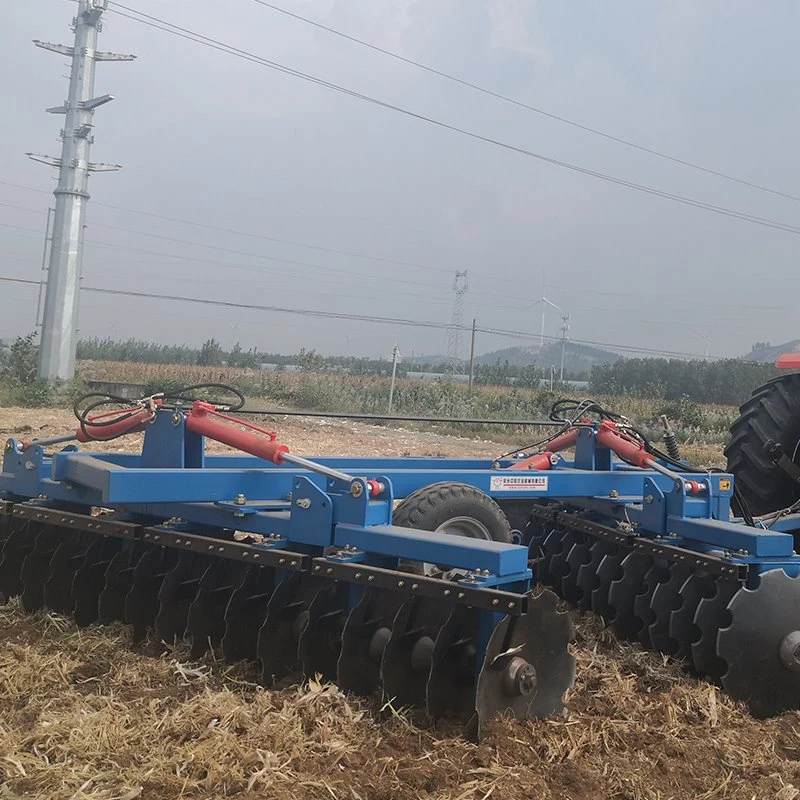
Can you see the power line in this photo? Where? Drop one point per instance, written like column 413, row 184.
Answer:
column 521, row 104
column 571, row 290
column 197, row 38
column 380, row 320
column 319, row 267
column 204, row 226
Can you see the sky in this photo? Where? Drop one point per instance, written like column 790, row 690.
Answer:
column 225, row 157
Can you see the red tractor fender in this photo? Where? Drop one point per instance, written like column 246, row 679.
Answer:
column 788, row 361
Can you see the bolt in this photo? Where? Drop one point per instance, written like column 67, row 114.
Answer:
column 485, row 573
column 303, row 502
column 176, row 419
column 649, row 499
column 519, row 678
column 613, row 494
column 789, row 651
column 240, row 500
column 29, row 465
column 356, row 489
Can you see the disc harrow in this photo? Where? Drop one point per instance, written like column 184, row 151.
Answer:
column 294, row 563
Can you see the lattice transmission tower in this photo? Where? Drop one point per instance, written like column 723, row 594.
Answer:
column 455, row 334
column 60, row 320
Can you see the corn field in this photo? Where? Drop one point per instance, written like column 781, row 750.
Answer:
column 694, row 423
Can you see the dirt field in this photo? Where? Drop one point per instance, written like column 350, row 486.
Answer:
column 85, row 714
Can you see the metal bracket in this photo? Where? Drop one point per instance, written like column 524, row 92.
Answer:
column 656, row 549
column 359, row 574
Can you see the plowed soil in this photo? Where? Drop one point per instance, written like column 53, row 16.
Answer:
column 88, row 714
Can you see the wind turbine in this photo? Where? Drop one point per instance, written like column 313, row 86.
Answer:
column 706, row 336
column 543, row 302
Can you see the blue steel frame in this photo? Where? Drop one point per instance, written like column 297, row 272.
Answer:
column 173, row 477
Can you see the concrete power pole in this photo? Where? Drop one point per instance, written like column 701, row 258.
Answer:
column 60, row 320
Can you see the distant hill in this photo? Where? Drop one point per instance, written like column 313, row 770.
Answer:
column 578, row 358
column 765, row 353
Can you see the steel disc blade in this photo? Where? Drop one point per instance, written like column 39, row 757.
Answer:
column 408, row 654
column 682, row 630
column 451, row 683
column 550, row 569
column 558, row 562
column 286, row 616
column 36, row 566
column 176, row 595
column 527, row 666
column 141, row 604
column 18, row 543
column 712, row 614
column 609, row 570
column 622, row 595
column 540, row 523
column 205, row 625
column 587, row 580
column 321, row 638
column 245, row 612
column 579, row 554
column 67, row 559
column 666, row 599
column 118, row 580
column 761, row 646
column 366, row 632
column 642, row 611
column 90, row 578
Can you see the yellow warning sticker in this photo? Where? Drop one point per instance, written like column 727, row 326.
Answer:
column 724, row 484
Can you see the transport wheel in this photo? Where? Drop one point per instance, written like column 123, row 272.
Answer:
column 456, row 509
column 773, row 412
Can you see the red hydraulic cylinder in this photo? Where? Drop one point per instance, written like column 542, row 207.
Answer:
column 626, row 448
column 204, row 420
column 136, row 423
column 544, row 460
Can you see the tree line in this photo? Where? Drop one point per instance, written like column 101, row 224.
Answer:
column 729, row 381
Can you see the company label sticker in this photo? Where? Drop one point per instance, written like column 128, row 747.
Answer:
column 518, row 483
column 724, row 485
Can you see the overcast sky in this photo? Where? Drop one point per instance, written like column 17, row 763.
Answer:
column 219, row 141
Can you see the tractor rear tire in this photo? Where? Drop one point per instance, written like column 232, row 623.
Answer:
column 773, row 412
column 455, row 509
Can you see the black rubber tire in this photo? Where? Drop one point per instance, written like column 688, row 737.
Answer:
column 773, row 412
column 432, row 506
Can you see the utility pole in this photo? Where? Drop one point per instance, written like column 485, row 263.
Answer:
column 60, row 320
column 564, row 329
column 460, row 286
column 395, row 359
column 471, row 358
